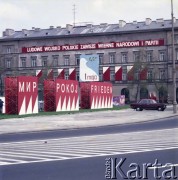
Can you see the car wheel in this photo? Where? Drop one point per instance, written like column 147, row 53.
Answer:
column 138, row 109
column 159, row 109
column 162, row 109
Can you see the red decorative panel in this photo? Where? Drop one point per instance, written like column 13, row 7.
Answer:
column 67, row 98
column 21, row 95
column 96, row 95
column 61, row 95
column 27, row 95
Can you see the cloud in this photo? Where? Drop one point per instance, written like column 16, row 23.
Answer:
column 10, row 11
column 18, row 14
column 98, row 4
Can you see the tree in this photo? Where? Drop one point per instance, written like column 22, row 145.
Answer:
column 138, row 73
column 145, row 72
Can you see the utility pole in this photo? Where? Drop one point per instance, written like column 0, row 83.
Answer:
column 74, row 12
column 173, row 62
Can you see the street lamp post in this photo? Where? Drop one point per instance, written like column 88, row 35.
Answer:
column 173, row 62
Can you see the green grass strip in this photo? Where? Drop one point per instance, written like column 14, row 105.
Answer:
column 7, row 116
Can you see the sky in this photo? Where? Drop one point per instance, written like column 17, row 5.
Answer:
column 25, row 14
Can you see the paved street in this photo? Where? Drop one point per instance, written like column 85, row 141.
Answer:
column 78, row 146
column 82, row 153
column 81, row 120
column 87, row 146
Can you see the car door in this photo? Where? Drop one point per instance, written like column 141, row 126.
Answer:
column 149, row 104
column 143, row 104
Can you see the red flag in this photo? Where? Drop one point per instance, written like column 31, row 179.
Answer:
column 130, row 73
column 39, row 73
column 72, row 74
column 143, row 74
column 118, row 73
column 60, row 74
column 106, row 73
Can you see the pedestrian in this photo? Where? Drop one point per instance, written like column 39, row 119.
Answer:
column 1, row 105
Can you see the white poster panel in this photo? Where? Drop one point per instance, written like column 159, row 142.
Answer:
column 89, row 68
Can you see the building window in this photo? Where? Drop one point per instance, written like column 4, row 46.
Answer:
column 150, row 75
column 66, row 75
column 162, row 74
column 123, row 57
column 176, row 38
column 55, row 60
column 177, row 54
column 136, row 56
column 33, row 62
column 77, row 59
column 77, row 74
column 162, row 56
column 112, row 76
column 66, row 60
column 124, row 77
column 112, row 58
column 137, row 75
column 8, row 63
column 8, row 49
column 124, row 74
column 23, row 62
column 55, row 75
column 100, row 76
column 44, row 61
column 101, row 58
column 149, row 56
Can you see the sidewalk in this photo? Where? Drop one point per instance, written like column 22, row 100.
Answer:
column 81, row 120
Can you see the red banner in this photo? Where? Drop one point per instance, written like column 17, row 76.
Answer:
column 92, row 46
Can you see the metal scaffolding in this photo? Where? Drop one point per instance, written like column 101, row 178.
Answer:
column 49, row 95
column 11, row 95
column 85, row 102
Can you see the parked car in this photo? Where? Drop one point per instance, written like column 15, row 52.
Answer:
column 148, row 104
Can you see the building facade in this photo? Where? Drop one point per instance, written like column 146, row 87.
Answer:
column 136, row 57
